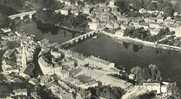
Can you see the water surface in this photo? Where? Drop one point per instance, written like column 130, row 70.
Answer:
column 168, row 62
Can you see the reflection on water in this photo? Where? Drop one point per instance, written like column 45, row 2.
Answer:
column 107, row 48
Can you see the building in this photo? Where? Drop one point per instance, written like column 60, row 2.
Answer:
column 20, row 92
column 93, row 25
column 59, row 92
column 62, row 73
column 153, row 87
column 163, row 88
column 45, row 67
column 64, row 11
column 112, row 3
column 178, row 31
column 9, row 61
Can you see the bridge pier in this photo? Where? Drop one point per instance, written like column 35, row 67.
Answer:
column 77, row 40
column 30, row 16
column 71, row 42
column 89, row 35
column 21, row 17
column 82, row 38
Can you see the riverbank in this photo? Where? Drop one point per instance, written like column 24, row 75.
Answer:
column 143, row 43
column 109, row 49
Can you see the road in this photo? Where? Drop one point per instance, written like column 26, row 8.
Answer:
column 141, row 42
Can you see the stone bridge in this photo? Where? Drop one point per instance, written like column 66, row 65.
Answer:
column 28, row 14
column 78, row 39
column 21, row 16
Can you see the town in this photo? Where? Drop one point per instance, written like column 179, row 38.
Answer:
column 68, row 49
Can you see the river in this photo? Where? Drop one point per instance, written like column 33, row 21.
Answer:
column 168, row 62
column 105, row 47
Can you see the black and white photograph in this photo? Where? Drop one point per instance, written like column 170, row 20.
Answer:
column 90, row 49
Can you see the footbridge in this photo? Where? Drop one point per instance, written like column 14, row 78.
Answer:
column 22, row 15
column 77, row 39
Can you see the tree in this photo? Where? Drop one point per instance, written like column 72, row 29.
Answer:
column 138, row 71
column 140, row 33
column 80, row 22
column 143, row 74
column 155, row 73
column 46, row 21
column 123, row 5
column 168, row 8
column 153, row 6
column 137, row 4
column 162, row 33
column 51, row 4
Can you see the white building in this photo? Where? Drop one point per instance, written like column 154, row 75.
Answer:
column 111, row 3
column 164, row 88
column 178, row 31
column 155, row 26
column 93, row 25
column 20, row 92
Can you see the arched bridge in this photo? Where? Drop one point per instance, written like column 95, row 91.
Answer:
column 25, row 14
column 22, row 15
column 77, row 39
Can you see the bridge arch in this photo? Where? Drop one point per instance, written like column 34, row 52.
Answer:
column 26, row 17
column 22, row 15
column 78, row 39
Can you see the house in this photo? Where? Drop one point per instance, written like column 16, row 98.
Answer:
column 160, row 20
column 150, row 20
column 67, row 3
column 9, row 63
column 62, row 73
column 64, row 11
column 178, row 31
column 161, row 88
column 56, row 54
column 153, row 87
column 59, row 92
column 45, row 67
column 154, row 31
column 93, row 25
column 120, row 32
column 142, row 11
column 111, row 3
column 131, row 76
column 155, row 25
column 20, row 92
column 86, row 9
